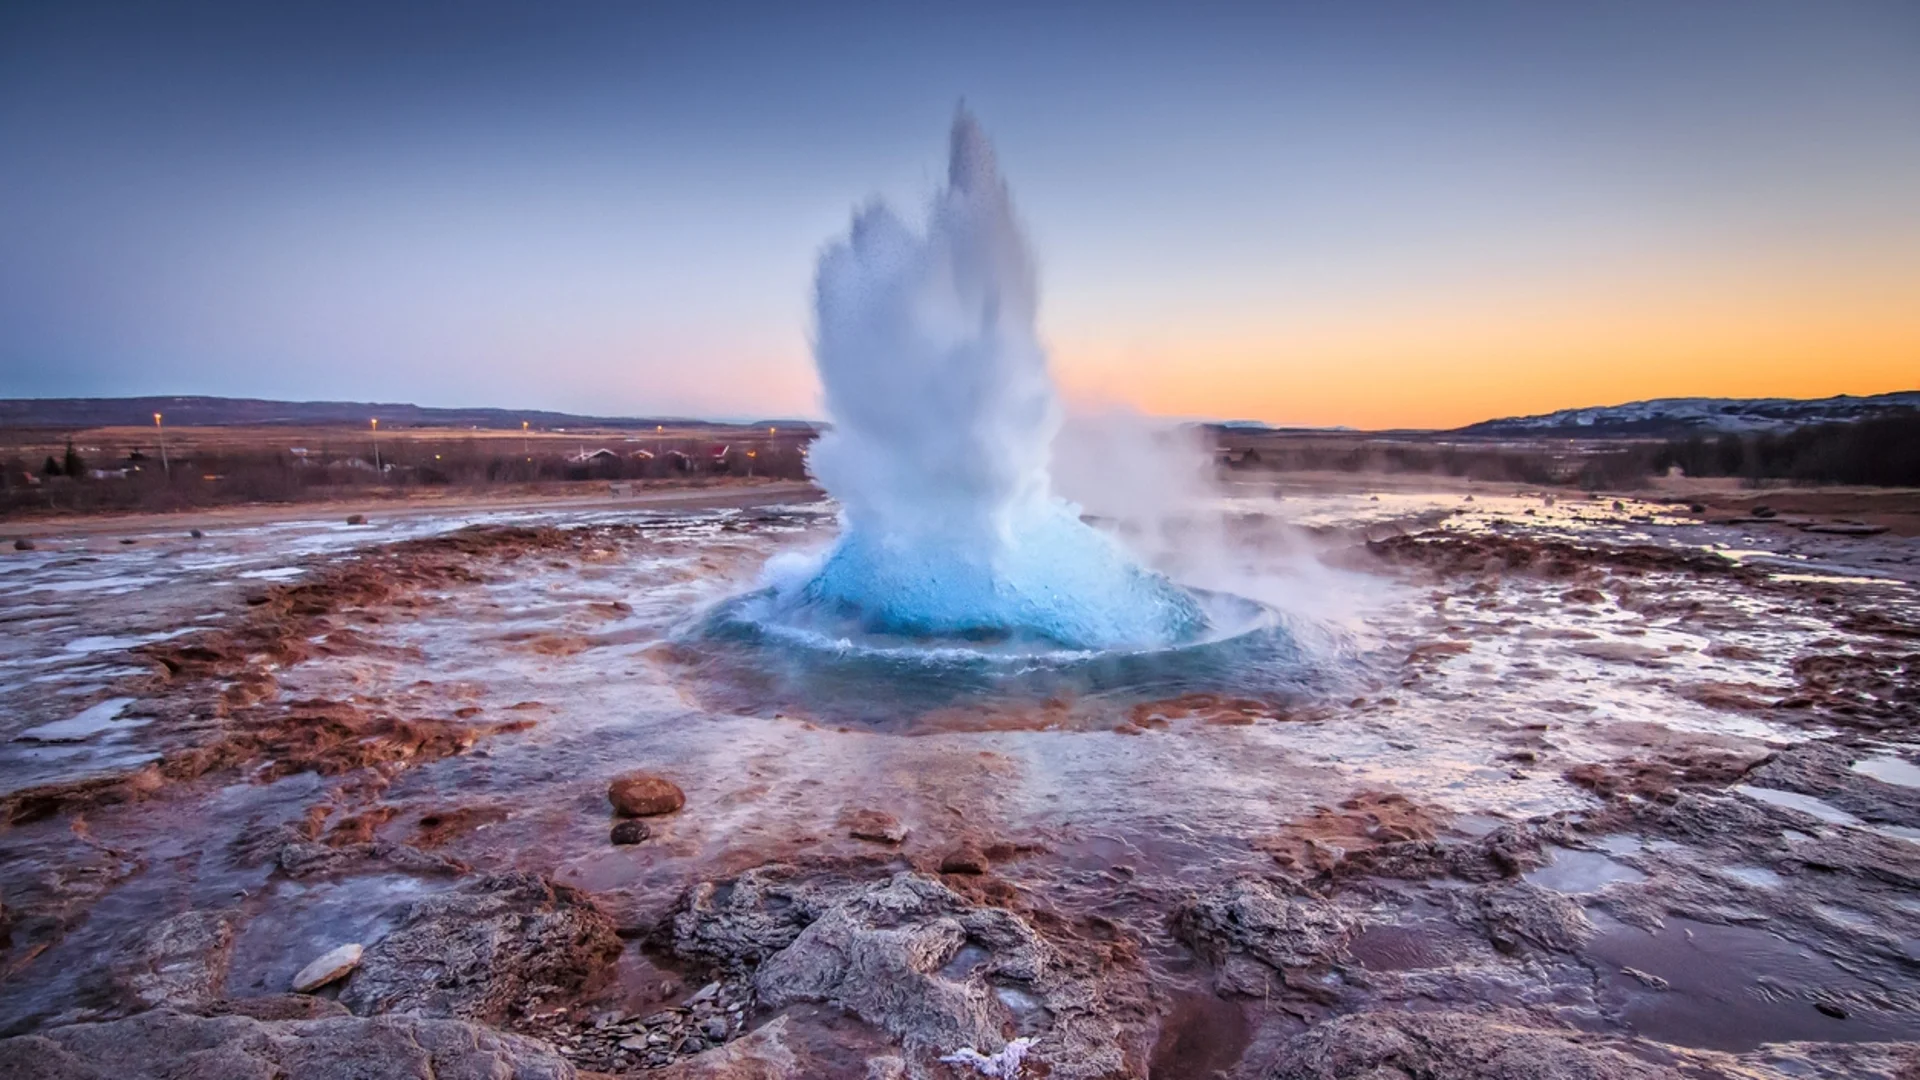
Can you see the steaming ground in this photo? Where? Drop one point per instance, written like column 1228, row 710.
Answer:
column 1567, row 785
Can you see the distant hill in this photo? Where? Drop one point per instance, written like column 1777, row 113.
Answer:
column 1669, row 417
column 234, row 412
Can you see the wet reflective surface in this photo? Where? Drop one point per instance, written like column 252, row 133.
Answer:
column 1699, row 735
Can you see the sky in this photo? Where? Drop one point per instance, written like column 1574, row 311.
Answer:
column 1368, row 213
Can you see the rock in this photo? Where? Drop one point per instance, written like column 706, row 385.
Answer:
column 162, row 1044
column 278, row 1007
column 1517, row 913
column 480, row 951
column 23, row 544
column 180, row 962
column 965, row 859
column 642, row 794
column 1249, row 932
column 875, row 825
column 196, row 534
column 734, row 925
column 762, row 1055
column 356, row 519
column 335, row 964
column 1764, row 512
column 630, row 832
column 912, row 958
column 1377, row 1045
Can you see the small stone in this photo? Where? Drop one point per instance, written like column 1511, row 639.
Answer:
column 356, row 519
column 875, row 825
column 196, row 534
column 715, row 1029
column 965, row 859
column 1830, row 1009
column 630, row 832
column 23, row 544
column 642, row 794
column 636, row 1044
column 334, row 965
column 704, row 993
column 1765, row 512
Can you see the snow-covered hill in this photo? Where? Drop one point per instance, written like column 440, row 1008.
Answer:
column 1679, row 416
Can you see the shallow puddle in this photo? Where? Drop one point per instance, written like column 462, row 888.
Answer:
column 1578, row 872
column 1734, row 988
column 1890, row 770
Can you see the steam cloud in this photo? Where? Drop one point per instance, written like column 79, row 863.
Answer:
column 943, row 414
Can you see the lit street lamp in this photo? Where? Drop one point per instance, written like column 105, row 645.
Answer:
column 165, row 465
column 376, row 445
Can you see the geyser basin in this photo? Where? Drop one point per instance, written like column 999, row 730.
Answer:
column 756, row 654
column 943, row 418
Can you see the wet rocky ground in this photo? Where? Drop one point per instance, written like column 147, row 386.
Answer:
column 1574, row 788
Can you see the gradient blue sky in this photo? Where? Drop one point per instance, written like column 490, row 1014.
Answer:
column 1364, row 213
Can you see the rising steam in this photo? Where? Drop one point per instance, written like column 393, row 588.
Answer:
column 943, row 414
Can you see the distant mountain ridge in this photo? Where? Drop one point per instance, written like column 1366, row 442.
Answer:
column 190, row 411
column 1668, row 417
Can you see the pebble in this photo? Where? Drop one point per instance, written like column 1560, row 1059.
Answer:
column 23, row 544
column 629, row 832
column 616, row 1042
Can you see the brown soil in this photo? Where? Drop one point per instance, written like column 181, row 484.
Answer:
column 1370, row 819
column 213, row 686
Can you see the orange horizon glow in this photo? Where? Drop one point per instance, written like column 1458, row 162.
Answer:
column 1455, row 360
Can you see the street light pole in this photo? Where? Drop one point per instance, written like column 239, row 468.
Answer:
column 376, row 446
column 165, row 465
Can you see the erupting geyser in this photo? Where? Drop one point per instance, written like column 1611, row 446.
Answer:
column 943, row 413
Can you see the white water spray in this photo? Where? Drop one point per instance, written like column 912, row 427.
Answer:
column 943, row 414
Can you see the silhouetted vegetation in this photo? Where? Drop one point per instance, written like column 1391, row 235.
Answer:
column 1558, row 463
column 340, row 465
column 1883, row 451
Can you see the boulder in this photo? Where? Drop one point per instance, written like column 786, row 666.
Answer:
column 483, row 951
column 915, row 960
column 179, row 962
column 875, row 825
column 1250, row 931
column 642, row 794
column 162, row 1044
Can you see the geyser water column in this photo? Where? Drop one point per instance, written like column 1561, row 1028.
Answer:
column 943, row 412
